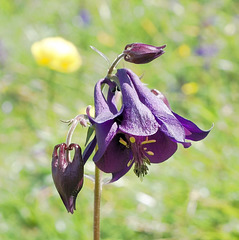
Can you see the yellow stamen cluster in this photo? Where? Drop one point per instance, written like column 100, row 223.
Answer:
column 140, row 164
column 150, row 153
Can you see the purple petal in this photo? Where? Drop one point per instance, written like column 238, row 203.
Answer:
column 105, row 132
column 163, row 148
column 137, row 118
column 115, row 158
column 88, row 150
column 117, row 175
column 104, row 110
column 186, row 144
column 193, row 132
column 159, row 95
column 169, row 123
column 105, row 125
column 111, row 96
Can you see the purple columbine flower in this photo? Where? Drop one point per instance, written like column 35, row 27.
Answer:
column 140, row 53
column 68, row 176
column 144, row 131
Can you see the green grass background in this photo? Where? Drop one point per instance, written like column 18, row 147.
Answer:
column 192, row 196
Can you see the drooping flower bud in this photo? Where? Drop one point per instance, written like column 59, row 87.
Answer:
column 140, row 53
column 67, row 176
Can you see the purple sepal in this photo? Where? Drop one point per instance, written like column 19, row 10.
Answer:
column 193, row 132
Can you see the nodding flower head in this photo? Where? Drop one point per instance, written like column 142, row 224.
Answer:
column 140, row 53
column 144, row 131
column 68, row 176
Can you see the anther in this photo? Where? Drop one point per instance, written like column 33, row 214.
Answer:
column 148, row 141
column 130, row 162
column 124, row 142
column 150, row 153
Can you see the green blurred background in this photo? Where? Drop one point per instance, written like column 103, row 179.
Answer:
column 192, row 196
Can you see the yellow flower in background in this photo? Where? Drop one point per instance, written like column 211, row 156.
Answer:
column 56, row 53
column 190, row 88
column 184, row 50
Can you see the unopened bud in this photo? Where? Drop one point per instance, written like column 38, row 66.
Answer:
column 140, row 53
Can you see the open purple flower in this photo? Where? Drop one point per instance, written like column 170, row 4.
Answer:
column 68, row 176
column 144, row 131
column 140, row 53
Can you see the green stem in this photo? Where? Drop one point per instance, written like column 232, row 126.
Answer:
column 69, row 135
column 114, row 64
column 97, row 196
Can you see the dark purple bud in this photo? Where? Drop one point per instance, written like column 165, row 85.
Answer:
column 140, row 53
column 68, row 176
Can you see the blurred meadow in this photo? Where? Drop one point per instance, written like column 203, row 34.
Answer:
column 192, row 196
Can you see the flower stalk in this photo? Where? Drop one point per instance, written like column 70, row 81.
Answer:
column 97, row 197
column 114, row 64
column 74, row 122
